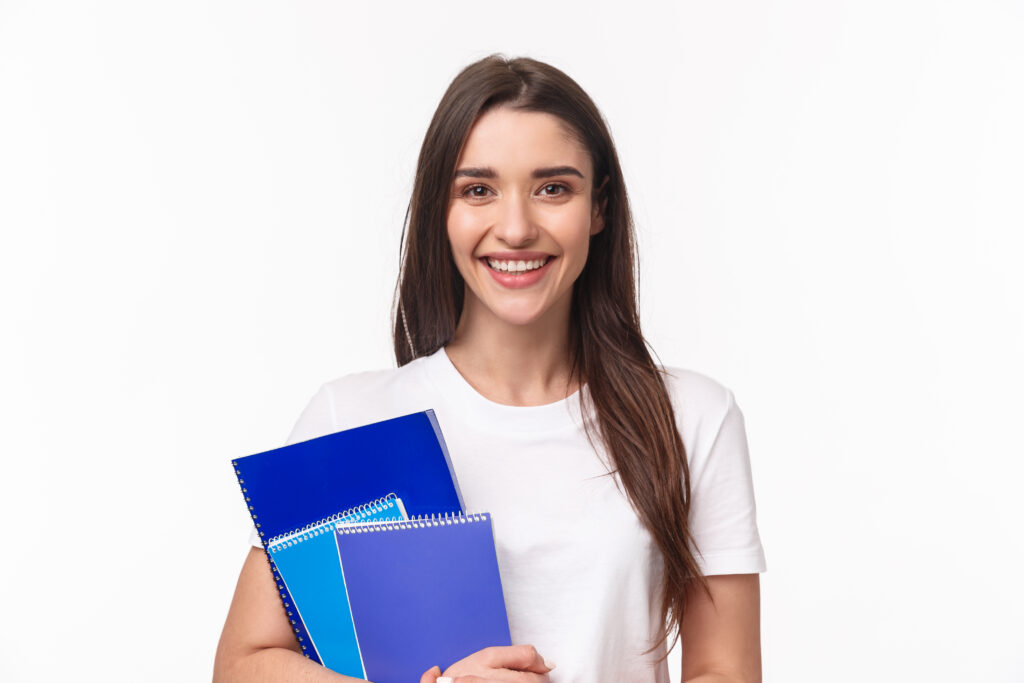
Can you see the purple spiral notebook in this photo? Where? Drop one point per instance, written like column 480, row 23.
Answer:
column 422, row 593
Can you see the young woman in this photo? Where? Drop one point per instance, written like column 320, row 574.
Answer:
column 620, row 490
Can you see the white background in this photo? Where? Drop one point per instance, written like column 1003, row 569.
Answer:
column 201, row 206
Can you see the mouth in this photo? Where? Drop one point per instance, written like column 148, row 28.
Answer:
column 516, row 267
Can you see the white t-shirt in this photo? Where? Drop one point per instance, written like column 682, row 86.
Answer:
column 580, row 573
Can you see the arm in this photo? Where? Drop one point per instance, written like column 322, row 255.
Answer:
column 257, row 643
column 721, row 642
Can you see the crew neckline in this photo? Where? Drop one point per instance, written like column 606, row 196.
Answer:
column 499, row 417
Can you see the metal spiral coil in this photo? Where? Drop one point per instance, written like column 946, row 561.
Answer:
column 328, row 523
column 418, row 522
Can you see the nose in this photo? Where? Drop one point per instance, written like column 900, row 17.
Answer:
column 515, row 226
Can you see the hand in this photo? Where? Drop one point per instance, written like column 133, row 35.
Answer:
column 511, row 664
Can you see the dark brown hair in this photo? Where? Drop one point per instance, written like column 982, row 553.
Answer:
column 608, row 352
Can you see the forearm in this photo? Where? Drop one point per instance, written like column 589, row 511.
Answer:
column 276, row 665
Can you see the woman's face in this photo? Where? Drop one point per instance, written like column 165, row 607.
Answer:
column 522, row 198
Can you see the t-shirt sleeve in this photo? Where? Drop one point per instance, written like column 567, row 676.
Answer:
column 723, row 511
column 316, row 420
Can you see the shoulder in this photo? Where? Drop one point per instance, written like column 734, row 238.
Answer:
column 696, row 394
column 367, row 396
column 706, row 413
column 363, row 381
column 371, row 382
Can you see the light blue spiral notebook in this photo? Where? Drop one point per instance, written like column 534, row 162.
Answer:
column 308, row 565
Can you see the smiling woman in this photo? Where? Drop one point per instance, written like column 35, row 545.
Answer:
column 620, row 489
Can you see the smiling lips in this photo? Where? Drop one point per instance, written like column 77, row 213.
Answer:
column 516, row 270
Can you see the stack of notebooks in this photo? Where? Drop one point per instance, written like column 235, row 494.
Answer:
column 381, row 571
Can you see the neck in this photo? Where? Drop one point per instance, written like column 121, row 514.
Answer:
column 512, row 364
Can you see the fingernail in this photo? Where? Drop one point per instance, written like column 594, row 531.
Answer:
column 444, row 679
column 548, row 663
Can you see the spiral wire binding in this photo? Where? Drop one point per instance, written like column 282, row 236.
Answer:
column 417, row 522
column 330, row 523
column 301, row 634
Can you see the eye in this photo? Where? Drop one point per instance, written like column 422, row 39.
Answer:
column 559, row 189
column 476, row 191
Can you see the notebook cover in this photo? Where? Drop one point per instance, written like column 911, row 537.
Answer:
column 423, row 593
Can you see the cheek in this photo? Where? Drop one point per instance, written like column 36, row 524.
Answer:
column 573, row 229
column 462, row 233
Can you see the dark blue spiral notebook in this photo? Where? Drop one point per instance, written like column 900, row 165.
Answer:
column 300, row 485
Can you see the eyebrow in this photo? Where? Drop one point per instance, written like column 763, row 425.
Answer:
column 488, row 172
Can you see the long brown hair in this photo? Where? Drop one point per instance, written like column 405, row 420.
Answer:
column 608, row 352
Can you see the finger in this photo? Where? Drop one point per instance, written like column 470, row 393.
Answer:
column 519, row 658
column 431, row 675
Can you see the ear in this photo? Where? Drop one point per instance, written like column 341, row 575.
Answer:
column 600, row 203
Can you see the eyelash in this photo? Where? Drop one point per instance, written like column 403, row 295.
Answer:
column 467, row 192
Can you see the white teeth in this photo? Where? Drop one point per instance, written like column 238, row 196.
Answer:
column 516, row 266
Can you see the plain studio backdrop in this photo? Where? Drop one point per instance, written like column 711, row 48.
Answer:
column 201, row 206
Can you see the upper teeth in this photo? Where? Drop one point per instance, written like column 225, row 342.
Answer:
column 517, row 266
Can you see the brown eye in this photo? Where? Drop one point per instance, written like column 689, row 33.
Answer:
column 475, row 191
column 557, row 187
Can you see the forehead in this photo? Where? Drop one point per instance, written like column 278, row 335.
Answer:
column 513, row 141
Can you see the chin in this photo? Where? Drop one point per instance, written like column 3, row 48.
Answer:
column 518, row 317
column 518, row 320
